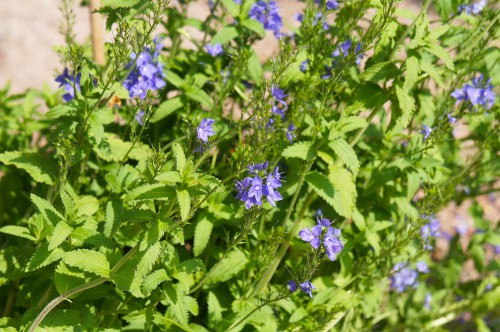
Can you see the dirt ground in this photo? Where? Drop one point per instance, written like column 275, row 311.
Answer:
column 30, row 28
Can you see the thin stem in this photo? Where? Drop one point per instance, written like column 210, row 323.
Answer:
column 268, row 274
column 408, row 29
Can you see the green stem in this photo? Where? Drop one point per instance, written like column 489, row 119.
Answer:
column 268, row 274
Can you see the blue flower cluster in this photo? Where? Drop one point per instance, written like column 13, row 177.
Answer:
column 479, row 93
column 331, row 239
column 279, row 97
column 343, row 49
column 251, row 189
column 70, row 83
column 405, row 277
column 147, row 73
column 428, row 231
column 473, row 9
column 306, row 287
column 267, row 13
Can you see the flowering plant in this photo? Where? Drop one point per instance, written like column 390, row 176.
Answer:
column 191, row 182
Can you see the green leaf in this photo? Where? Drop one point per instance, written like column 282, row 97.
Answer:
column 405, row 207
column 346, row 153
column 50, row 214
column 406, row 104
column 344, row 200
column 352, row 123
column 59, row 234
column 174, row 295
column 225, row 35
column 153, row 280
column 17, row 231
column 321, row 185
column 174, row 79
column 383, row 71
column 432, row 71
column 202, row 234
column 412, row 70
column 184, row 203
column 302, row 150
column 232, row 264
column 215, row 310
column 86, row 206
column 43, row 257
column 119, row 3
column 169, row 177
column 113, row 148
column 156, row 191
column 39, row 168
column 166, row 108
column 442, row 54
column 144, row 265
column 67, row 278
column 179, row 156
column 232, row 7
column 255, row 68
column 63, row 109
column 200, row 96
column 89, row 261
column 96, row 128
column 254, row 26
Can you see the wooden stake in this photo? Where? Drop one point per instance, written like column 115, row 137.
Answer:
column 97, row 32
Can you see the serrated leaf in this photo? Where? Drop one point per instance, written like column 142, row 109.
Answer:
column 383, row 71
column 346, row 153
column 145, row 264
column 39, row 168
column 166, row 108
column 412, row 70
column 232, row 7
column 179, row 156
column 215, row 310
column 96, row 128
column 49, row 213
column 89, row 261
column 352, row 123
column 441, row 53
column 153, row 280
column 255, row 68
column 43, row 257
column 200, row 96
column 87, row 206
column 59, row 234
column 432, row 71
column 344, row 200
column 232, row 264
column 202, row 234
column 113, row 148
column 302, row 150
column 156, row 191
column 67, row 278
column 406, row 104
column 184, row 202
column 321, row 185
column 405, row 207
column 174, row 295
column 19, row 231
column 169, row 177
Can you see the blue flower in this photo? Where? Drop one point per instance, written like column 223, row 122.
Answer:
column 426, row 131
column 292, row 286
column 422, row 267
column 205, row 129
column 403, row 277
column 343, row 49
column 479, row 93
column 267, row 13
column 251, row 190
column 139, row 117
column 313, row 237
column 303, row 66
column 331, row 4
column 214, row 50
column 307, row 288
column 147, row 74
column 289, row 133
column 451, row 120
column 473, row 9
column 69, row 83
column 428, row 231
column 323, row 221
column 427, row 301
column 332, row 243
